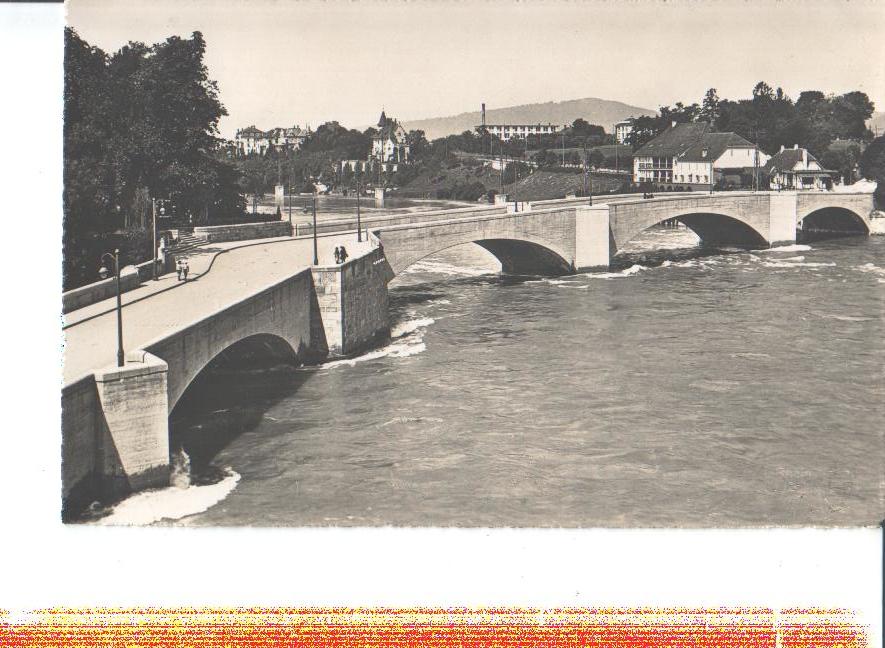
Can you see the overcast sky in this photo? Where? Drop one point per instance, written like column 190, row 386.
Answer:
column 279, row 63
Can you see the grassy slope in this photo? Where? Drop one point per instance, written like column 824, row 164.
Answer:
column 541, row 185
column 546, row 185
column 426, row 184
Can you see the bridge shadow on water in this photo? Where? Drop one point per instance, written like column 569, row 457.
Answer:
column 230, row 398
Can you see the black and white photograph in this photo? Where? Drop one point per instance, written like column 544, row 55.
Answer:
column 473, row 264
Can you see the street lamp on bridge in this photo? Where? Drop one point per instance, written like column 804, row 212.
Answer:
column 359, row 230
column 316, row 260
column 103, row 272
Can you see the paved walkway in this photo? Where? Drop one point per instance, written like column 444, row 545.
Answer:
column 223, row 274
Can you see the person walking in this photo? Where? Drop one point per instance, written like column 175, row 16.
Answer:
column 179, row 267
column 337, row 254
column 343, row 255
column 184, row 269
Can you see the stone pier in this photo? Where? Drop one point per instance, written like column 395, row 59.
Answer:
column 592, row 244
column 132, row 450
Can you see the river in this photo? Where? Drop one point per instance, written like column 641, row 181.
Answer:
column 681, row 388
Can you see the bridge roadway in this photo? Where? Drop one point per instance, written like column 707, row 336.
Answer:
column 238, row 270
column 115, row 420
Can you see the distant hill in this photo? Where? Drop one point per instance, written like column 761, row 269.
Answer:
column 596, row 111
column 878, row 119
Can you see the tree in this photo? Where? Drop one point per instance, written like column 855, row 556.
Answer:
column 872, row 167
column 710, row 107
column 418, row 145
column 141, row 121
column 645, row 129
column 762, row 91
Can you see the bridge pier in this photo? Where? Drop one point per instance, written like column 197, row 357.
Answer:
column 352, row 300
column 593, row 244
column 782, row 218
column 132, row 445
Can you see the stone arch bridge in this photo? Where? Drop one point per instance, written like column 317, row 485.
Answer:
column 115, row 419
column 574, row 236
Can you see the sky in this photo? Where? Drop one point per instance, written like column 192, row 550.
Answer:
column 306, row 62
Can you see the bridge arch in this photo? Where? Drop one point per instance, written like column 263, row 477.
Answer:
column 831, row 220
column 714, row 228
column 518, row 255
column 255, row 349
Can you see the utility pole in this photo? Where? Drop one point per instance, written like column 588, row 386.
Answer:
column 756, row 161
column 501, row 156
column 359, row 230
column 289, row 196
column 585, row 171
column 563, row 148
column 316, row 260
column 154, row 220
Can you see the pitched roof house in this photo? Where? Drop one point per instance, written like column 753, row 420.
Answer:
column 390, row 143
column 796, row 168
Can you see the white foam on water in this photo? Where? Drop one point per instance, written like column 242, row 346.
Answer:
column 410, row 326
column 793, row 264
column 848, row 318
column 172, row 503
column 797, row 247
column 440, row 267
column 412, row 419
column 439, row 302
column 407, row 339
column 872, row 268
column 632, row 270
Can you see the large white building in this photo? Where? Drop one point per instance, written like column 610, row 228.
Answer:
column 253, row 141
column 520, row 131
column 690, row 156
column 623, row 129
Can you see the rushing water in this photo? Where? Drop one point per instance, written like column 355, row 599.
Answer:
column 679, row 388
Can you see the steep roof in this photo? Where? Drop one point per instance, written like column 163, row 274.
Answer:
column 674, row 141
column 786, row 160
column 251, row 131
column 715, row 144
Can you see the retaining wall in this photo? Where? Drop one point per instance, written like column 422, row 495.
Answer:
column 243, row 231
column 131, row 277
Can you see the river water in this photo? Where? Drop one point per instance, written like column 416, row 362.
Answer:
column 682, row 388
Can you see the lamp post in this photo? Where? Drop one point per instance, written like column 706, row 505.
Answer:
column 103, row 273
column 359, row 228
column 154, row 216
column 316, row 259
column 289, row 196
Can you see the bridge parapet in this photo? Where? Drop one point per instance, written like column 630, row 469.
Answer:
column 860, row 204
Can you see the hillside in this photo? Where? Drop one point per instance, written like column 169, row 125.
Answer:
column 596, row 111
column 547, row 185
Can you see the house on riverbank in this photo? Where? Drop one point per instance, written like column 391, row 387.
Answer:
column 796, row 168
column 692, row 157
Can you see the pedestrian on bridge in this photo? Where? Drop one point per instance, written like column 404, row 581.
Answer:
column 182, row 268
column 337, row 254
column 343, row 255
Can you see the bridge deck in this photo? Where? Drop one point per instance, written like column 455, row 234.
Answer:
column 237, row 274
